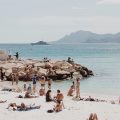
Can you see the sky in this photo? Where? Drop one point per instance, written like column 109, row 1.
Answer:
column 26, row 21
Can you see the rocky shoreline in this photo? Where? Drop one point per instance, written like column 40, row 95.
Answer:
column 56, row 70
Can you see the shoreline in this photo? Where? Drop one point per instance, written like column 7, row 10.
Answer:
column 105, row 96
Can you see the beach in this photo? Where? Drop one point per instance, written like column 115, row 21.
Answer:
column 73, row 109
column 104, row 85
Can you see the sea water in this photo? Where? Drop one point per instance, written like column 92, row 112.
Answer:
column 103, row 59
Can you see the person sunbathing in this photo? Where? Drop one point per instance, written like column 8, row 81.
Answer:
column 22, row 107
column 27, row 95
column 1, row 101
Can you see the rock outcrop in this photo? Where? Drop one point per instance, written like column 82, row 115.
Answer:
column 56, row 70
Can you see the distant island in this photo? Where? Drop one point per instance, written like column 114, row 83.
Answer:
column 40, row 43
column 88, row 37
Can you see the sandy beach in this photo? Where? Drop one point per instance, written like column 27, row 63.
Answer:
column 74, row 110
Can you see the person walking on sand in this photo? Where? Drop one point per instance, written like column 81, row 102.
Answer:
column 77, row 88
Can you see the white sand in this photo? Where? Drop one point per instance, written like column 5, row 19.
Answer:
column 74, row 110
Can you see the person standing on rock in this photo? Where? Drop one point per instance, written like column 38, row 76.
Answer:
column 77, row 88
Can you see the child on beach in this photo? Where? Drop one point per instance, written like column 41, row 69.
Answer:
column 49, row 83
column 70, row 91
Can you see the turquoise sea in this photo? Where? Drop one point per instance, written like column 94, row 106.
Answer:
column 103, row 59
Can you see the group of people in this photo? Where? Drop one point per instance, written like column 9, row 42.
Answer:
column 75, row 87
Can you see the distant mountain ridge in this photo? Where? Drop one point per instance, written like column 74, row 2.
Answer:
column 88, row 37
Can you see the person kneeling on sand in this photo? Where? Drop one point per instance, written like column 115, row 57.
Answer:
column 22, row 107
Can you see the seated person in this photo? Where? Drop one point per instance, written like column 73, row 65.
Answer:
column 48, row 96
column 58, row 107
column 71, row 90
column 27, row 95
column 42, row 92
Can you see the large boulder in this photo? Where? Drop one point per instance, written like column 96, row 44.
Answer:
column 3, row 55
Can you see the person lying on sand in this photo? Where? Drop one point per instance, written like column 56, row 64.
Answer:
column 22, row 107
column 93, row 99
column 3, row 101
column 28, row 95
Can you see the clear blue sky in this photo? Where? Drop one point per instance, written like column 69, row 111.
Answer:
column 25, row 21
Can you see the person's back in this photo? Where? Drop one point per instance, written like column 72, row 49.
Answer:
column 59, row 97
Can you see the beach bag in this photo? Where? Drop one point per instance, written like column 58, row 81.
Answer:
column 50, row 111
